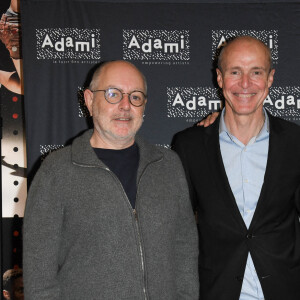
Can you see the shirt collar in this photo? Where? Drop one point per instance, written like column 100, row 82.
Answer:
column 263, row 132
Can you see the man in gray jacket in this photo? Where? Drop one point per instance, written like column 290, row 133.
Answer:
column 109, row 217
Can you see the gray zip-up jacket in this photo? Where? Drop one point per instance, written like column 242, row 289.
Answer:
column 83, row 240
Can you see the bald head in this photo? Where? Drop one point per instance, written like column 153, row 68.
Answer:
column 244, row 40
column 96, row 78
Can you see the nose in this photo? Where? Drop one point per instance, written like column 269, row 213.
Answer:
column 245, row 81
column 124, row 104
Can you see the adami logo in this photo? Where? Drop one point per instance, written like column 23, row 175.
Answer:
column 68, row 43
column 192, row 102
column 284, row 102
column 269, row 37
column 156, row 45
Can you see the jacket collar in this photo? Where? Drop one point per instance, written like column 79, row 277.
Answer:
column 84, row 155
column 277, row 146
column 212, row 145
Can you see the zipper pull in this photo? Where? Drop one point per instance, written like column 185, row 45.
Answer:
column 135, row 214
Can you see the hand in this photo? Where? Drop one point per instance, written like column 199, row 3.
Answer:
column 209, row 119
column 10, row 34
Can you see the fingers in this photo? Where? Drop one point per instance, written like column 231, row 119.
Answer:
column 201, row 123
column 213, row 117
column 209, row 119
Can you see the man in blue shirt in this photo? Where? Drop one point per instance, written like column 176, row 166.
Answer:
column 244, row 178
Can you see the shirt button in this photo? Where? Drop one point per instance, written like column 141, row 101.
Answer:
column 246, row 180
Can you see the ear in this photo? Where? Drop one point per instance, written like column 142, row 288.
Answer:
column 6, row 295
column 219, row 78
column 271, row 78
column 88, row 98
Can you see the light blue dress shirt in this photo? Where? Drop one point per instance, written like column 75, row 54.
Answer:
column 245, row 167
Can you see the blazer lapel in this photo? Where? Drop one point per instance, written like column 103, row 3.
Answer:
column 277, row 146
column 212, row 145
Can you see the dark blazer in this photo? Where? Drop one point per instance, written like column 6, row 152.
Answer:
column 273, row 237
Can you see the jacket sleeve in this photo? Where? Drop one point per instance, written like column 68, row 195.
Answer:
column 186, row 244
column 297, row 199
column 41, row 238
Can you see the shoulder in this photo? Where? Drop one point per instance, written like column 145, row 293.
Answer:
column 288, row 127
column 57, row 157
column 170, row 163
column 188, row 134
column 62, row 157
column 157, row 153
column 167, row 153
column 54, row 165
column 192, row 136
column 191, row 131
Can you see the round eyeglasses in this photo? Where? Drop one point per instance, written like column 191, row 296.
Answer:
column 114, row 96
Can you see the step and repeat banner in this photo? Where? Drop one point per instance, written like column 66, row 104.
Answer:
column 174, row 44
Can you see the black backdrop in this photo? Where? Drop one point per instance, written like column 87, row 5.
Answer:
column 173, row 44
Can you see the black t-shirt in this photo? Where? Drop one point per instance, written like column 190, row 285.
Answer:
column 124, row 164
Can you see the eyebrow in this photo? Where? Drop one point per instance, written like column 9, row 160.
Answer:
column 253, row 68
column 259, row 68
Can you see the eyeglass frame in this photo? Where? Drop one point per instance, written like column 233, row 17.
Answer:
column 129, row 94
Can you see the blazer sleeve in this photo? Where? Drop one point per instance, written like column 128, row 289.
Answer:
column 180, row 147
column 297, row 200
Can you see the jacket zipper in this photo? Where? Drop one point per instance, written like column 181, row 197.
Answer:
column 141, row 252
column 138, row 230
column 138, row 233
